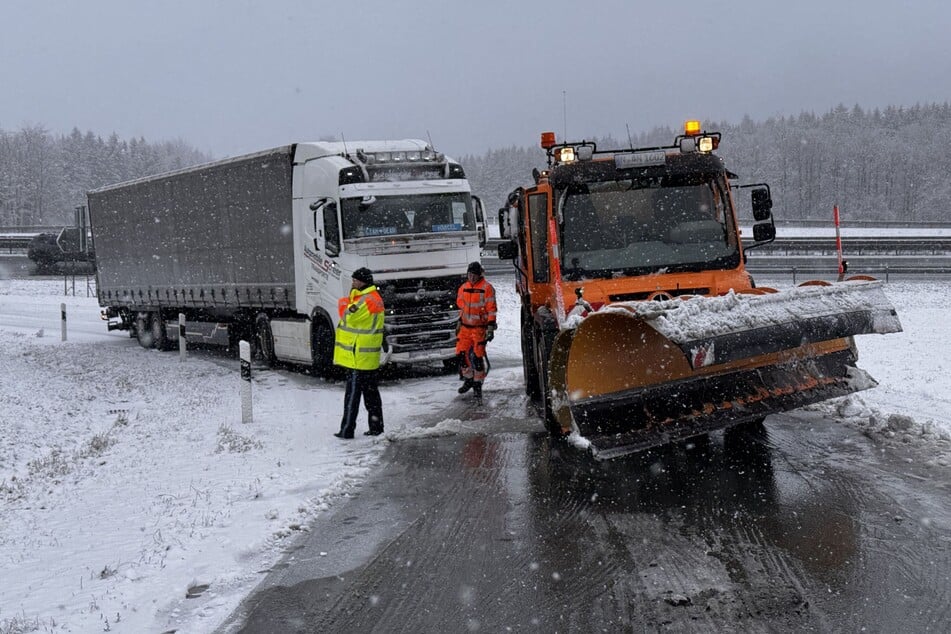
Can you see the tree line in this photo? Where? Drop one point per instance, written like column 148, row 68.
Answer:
column 876, row 165
column 43, row 177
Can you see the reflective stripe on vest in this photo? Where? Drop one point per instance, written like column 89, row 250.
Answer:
column 359, row 336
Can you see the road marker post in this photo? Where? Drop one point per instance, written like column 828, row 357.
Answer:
column 182, row 343
column 245, row 353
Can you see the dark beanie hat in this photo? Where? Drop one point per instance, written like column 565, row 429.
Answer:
column 475, row 267
column 364, row 275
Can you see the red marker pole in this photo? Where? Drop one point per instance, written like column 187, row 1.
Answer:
column 556, row 272
column 838, row 240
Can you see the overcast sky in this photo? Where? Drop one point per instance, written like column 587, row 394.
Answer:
column 237, row 76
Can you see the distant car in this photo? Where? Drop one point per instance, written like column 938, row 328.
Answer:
column 46, row 252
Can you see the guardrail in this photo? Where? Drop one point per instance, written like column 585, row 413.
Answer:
column 792, row 245
column 15, row 241
column 31, row 228
column 803, row 266
column 859, row 246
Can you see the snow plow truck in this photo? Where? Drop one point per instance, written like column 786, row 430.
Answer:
column 639, row 322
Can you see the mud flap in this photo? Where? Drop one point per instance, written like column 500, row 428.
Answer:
column 557, row 370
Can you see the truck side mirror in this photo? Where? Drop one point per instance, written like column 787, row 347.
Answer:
column 505, row 224
column 764, row 232
column 480, row 219
column 507, row 250
column 762, row 203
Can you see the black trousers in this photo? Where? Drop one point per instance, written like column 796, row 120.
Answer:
column 365, row 384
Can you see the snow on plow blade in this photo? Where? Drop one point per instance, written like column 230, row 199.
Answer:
column 639, row 374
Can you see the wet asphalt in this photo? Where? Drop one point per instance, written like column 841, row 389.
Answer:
column 809, row 526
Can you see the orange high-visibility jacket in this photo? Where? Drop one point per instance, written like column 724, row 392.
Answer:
column 476, row 304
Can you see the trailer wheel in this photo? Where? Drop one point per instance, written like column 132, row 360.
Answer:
column 322, row 347
column 159, row 335
column 143, row 330
column 264, row 340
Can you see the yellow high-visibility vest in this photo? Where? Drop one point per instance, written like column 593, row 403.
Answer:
column 359, row 339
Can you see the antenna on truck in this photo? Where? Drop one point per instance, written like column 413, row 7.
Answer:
column 630, row 143
column 344, row 141
column 430, row 140
column 564, row 111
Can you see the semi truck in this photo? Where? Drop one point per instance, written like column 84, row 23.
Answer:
column 261, row 246
column 640, row 324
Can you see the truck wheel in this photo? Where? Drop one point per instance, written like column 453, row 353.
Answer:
column 143, row 330
column 529, row 370
column 322, row 348
column 159, row 336
column 541, row 370
column 264, row 340
column 740, row 438
column 746, row 447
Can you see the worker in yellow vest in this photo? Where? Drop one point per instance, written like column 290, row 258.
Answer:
column 357, row 347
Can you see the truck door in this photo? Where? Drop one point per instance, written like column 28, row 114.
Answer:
column 326, row 227
column 538, row 235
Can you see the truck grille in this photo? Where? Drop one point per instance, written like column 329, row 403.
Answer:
column 421, row 314
column 419, row 328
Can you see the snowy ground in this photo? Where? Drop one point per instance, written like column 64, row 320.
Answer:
column 128, row 482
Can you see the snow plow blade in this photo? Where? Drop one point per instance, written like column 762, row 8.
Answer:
column 641, row 374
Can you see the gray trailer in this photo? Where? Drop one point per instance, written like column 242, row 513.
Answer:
column 217, row 239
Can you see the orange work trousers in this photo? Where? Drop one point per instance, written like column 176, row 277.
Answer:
column 470, row 348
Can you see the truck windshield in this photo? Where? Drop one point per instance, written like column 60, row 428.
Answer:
column 407, row 215
column 646, row 225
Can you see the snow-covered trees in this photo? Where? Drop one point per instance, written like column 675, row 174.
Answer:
column 43, row 177
column 886, row 165
column 890, row 164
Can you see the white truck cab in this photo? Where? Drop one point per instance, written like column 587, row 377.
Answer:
column 398, row 208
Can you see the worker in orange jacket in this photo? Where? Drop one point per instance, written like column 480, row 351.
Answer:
column 477, row 310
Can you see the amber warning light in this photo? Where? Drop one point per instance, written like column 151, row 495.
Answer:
column 548, row 140
column 691, row 128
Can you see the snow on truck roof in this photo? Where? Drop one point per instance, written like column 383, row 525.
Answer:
column 303, row 151
column 317, row 149
column 284, row 149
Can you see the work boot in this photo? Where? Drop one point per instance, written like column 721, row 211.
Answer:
column 467, row 386
column 477, row 389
